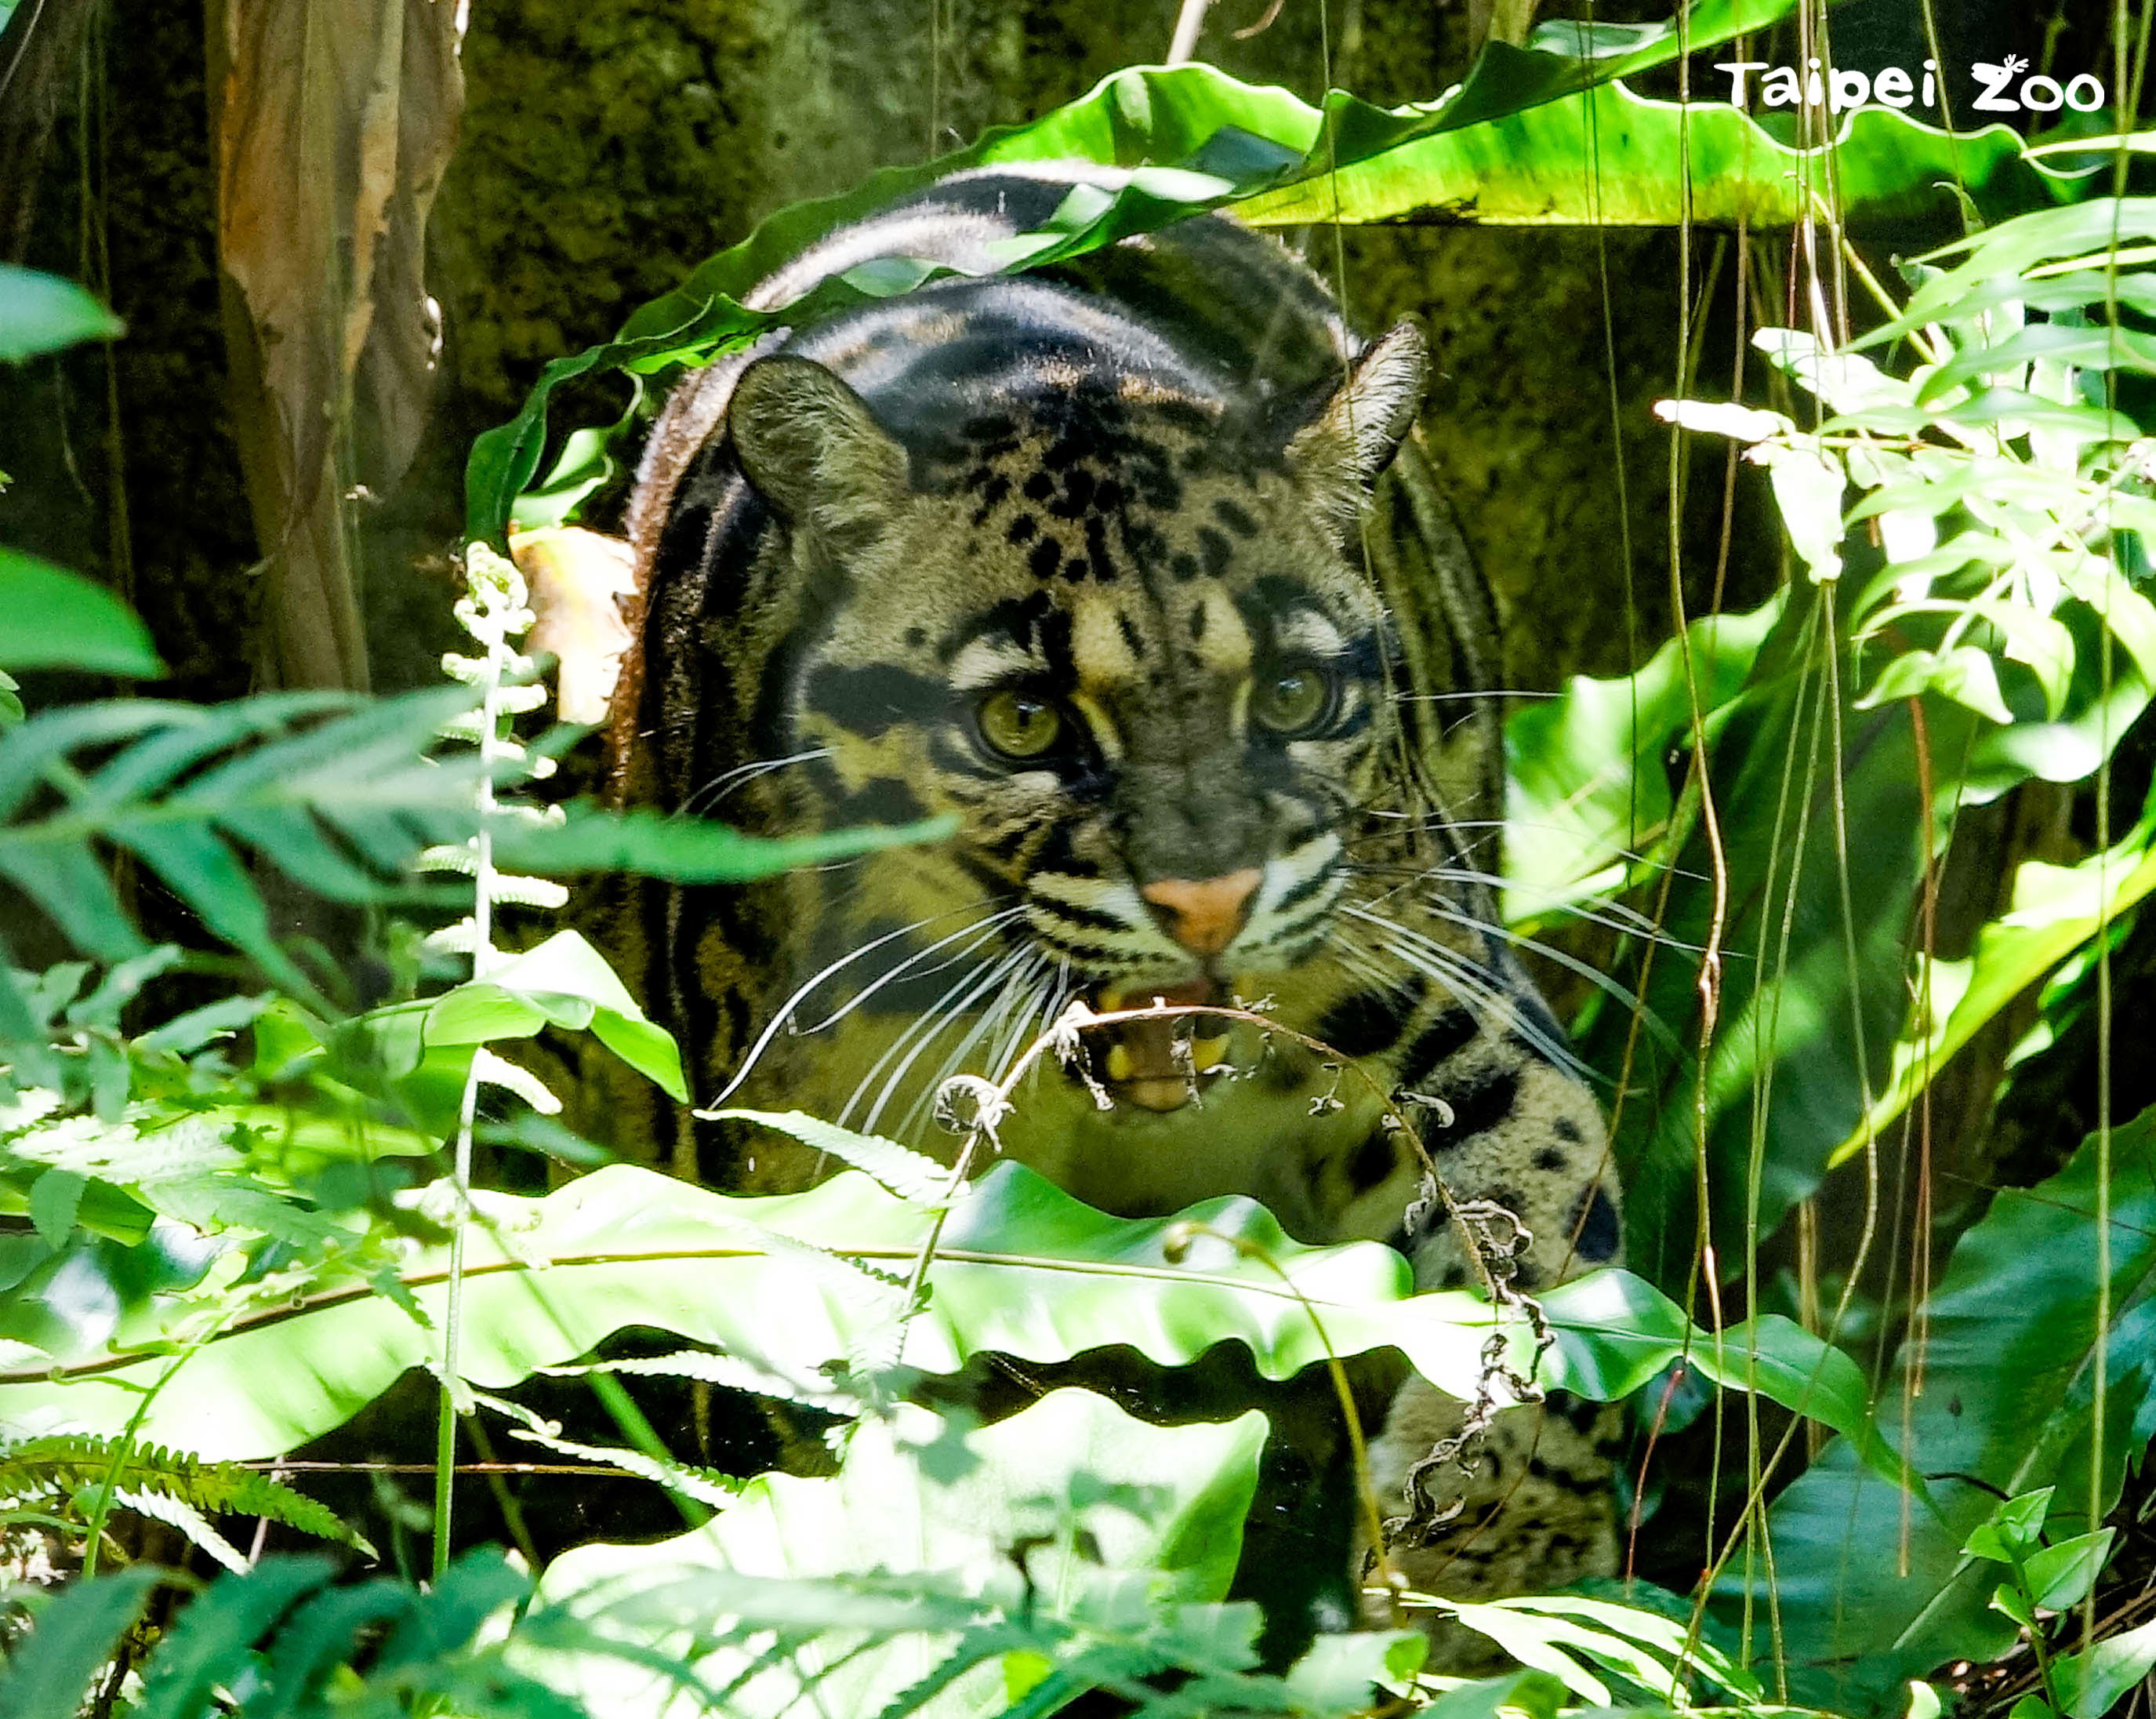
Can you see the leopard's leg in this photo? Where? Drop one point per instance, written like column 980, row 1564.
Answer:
column 1538, row 1510
column 1536, row 1502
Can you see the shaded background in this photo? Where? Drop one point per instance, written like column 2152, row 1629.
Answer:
column 606, row 146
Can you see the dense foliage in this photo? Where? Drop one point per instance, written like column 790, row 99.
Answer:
column 239, row 1177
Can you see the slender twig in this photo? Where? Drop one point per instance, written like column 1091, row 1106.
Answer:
column 1189, row 22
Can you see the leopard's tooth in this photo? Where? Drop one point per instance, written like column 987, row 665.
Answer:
column 1122, row 1065
column 1208, row 1053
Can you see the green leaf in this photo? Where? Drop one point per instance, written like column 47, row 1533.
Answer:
column 1535, row 1694
column 457, row 1606
column 2093, row 1682
column 54, row 1197
column 1615, row 1332
column 2010, row 1601
column 1583, row 1639
column 910, row 1175
column 1623, row 160
column 43, row 313
column 2015, row 1528
column 1809, row 484
column 2061, row 1576
column 566, row 983
column 46, row 1676
column 1785, row 1076
column 323, row 1632
column 1587, row 790
column 2096, row 348
column 685, row 849
column 2008, row 1362
column 203, row 1648
column 50, row 618
column 1516, row 141
column 339, row 794
column 1162, row 1509
column 64, row 1463
column 277, row 1641
column 2055, row 911
column 1340, row 1672
column 1022, row 1269
column 1965, row 674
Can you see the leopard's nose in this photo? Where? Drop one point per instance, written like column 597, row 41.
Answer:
column 1203, row 916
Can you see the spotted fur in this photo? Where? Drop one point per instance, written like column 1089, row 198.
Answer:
column 1143, row 492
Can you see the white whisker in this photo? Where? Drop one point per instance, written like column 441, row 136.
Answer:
column 1002, row 917
column 993, row 977
column 1013, row 990
column 1468, row 979
column 785, row 1011
column 720, row 785
column 1549, row 952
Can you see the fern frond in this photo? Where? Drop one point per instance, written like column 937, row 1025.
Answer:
column 499, row 1071
column 509, row 888
column 119, row 1152
column 460, row 938
column 337, row 794
column 734, row 1372
column 502, row 887
column 67, row 1462
column 176, row 1512
column 706, row 1486
column 188, row 1171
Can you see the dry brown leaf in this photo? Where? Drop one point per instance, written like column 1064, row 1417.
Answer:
column 576, row 577
column 333, row 121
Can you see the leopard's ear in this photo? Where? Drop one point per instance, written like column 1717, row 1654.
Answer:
column 810, row 445
column 1342, row 450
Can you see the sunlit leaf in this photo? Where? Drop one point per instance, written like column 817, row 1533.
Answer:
column 1160, row 1509
column 52, row 619
column 43, row 313
column 1021, row 1269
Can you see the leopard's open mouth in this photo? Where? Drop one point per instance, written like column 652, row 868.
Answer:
column 1154, row 1063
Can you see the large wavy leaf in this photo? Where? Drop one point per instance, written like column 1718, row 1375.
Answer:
column 1159, row 1510
column 2011, row 1338
column 801, row 1281
column 1606, row 157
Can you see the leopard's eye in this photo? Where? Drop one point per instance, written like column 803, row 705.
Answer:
column 1016, row 726
column 1292, row 702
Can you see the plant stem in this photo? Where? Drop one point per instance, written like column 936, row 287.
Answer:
column 445, row 1435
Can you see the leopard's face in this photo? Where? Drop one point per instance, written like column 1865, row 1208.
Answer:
column 1129, row 650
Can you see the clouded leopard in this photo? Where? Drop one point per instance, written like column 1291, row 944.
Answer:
column 1132, row 566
